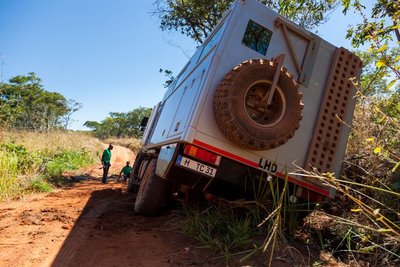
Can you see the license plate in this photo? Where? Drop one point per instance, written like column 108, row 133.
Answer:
column 196, row 166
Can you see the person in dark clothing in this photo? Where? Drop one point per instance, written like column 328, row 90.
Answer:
column 126, row 171
column 105, row 160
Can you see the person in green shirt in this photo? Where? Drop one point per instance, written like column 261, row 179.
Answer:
column 106, row 161
column 126, row 171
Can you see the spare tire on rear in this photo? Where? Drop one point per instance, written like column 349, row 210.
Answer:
column 242, row 114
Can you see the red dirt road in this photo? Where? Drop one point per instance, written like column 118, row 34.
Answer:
column 92, row 224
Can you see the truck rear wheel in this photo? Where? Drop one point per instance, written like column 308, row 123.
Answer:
column 135, row 175
column 132, row 184
column 241, row 111
column 152, row 193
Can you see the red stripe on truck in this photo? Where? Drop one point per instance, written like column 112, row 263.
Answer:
column 255, row 165
column 226, row 154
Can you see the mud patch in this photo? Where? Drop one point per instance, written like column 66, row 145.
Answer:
column 28, row 217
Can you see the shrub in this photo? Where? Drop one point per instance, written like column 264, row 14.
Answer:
column 39, row 184
column 8, row 174
column 248, row 228
column 220, row 230
column 65, row 160
column 31, row 162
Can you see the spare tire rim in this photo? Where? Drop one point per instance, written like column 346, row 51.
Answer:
column 256, row 105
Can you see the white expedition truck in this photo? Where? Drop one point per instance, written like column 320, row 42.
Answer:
column 260, row 97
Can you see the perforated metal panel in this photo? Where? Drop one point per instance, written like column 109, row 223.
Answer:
column 338, row 94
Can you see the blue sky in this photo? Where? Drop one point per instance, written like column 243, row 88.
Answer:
column 104, row 54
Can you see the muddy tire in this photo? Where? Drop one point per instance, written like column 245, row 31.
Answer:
column 134, row 181
column 133, row 184
column 131, row 187
column 134, row 178
column 142, row 168
column 152, row 193
column 240, row 111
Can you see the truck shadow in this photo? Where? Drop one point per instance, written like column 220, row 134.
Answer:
column 109, row 233
column 108, row 212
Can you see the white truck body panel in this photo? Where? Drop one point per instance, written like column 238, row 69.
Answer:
column 186, row 112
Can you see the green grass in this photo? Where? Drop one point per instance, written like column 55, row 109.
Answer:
column 249, row 228
column 220, row 230
column 15, row 161
column 66, row 160
column 28, row 166
column 39, row 184
column 8, row 173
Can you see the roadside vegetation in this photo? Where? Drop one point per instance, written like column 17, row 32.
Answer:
column 34, row 162
column 361, row 226
column 244, row 230
column 26, row 104
column 35, row 145
column 132, row 143
column 120, row 125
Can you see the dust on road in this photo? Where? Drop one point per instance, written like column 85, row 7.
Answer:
column 92, row 224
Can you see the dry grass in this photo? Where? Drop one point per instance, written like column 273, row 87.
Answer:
column 365, row 230
column 131, row 143
column 32, row 161
column 373, row 148
column 51, row 141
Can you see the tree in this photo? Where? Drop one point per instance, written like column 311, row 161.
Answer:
column 376, row 81
column 379, row 31
column 26, row 104
column 169, row 75
column 381, row 71
column 120, row 124
column 381, row 25
column 375, row 144
column 73, row 107
column 197, row 18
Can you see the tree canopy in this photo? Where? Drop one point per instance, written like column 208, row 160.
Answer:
column 380, row 33
column 197, row 18
column 120, row 124
column 25, row 104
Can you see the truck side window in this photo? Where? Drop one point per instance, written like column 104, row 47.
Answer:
column 257, row 37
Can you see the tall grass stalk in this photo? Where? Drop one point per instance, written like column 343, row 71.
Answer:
column 276, row 218
column 270, row 215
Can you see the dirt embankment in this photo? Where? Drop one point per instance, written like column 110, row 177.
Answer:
column 92, row 224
